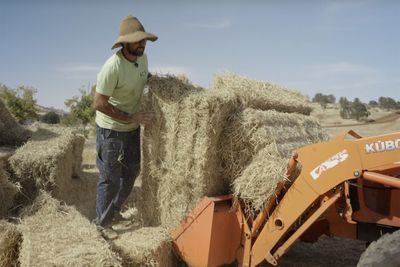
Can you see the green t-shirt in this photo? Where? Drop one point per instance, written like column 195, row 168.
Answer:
column 123, row 81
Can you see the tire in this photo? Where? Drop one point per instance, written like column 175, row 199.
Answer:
column 383, row 252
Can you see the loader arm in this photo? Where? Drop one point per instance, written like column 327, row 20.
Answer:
column 325, row 167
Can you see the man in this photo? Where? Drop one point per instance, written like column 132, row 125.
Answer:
column 119, row 89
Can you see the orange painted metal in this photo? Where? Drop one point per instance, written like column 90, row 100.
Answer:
column 211, row 234
column 381, row 179
column 295, row 201
column 243, row 255
column 326, row 201
column 262, row 216
column 385, row 209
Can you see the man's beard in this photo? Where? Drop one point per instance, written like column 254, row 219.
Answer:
column 136, row 52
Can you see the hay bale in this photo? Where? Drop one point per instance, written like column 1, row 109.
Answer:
column 58, row 235
column 10, row 239
column 180, row 150
column 146, row 247
column 262, row 95
column 48, row 160
column 256, row 147
column 8, row 190
column 11, row 133
column 164, row 95
column 259, row 178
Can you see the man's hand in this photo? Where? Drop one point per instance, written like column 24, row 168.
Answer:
column 144, row 118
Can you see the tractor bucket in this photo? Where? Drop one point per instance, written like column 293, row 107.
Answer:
column 211, row 234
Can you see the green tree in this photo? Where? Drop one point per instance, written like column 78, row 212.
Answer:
column 373, row 103
column 345, row 108
column 387, row 103
column 324, row 100
column 50, row 118
column 359, row 110
column 81, row 109
column 353, row 110
column 20, row 101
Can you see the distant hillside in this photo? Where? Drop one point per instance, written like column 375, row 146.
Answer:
column 379, row 122
column 43, row 110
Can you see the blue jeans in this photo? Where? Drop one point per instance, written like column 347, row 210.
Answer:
column 118, row 161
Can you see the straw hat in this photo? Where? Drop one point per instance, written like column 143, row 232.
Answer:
column 132, row 31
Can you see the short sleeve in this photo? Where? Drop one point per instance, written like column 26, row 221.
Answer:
column 107, row 79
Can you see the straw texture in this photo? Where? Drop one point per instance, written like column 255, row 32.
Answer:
column 181, row 162
column 256, row 149
column 58, row 235
column 48, row 160
column 262, row 95
column 10, row 239
column 146, row 247
column 230, row 138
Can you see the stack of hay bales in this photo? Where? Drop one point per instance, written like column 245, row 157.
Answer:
column 146, row 247
column 11, row 133
column 180, row 150
column 58, row 235
column 236, row 137
column 260, row 137
column 155, row 142
column 256, row 149
column 8, row 190
column 10, row 239
column 48, row 161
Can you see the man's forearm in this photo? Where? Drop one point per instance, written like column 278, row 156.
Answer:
column 114, row 112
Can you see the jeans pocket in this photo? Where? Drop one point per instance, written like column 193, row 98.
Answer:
column 111, row 157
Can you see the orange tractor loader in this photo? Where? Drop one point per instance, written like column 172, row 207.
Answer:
column 346, row 188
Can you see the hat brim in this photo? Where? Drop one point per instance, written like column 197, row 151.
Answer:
column 134, row 37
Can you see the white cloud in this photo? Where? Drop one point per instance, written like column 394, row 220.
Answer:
column 216, row 25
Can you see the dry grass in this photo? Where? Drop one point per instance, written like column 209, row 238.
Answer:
column 10, row 239
column 331, row 115
column 146, row 247
column 58, row 235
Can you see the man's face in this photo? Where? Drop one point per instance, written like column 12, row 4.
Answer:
column 137, row 48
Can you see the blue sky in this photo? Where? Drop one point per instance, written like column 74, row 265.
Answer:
column 346, row 48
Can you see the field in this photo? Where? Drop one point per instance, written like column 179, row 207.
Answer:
column 53, row 161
